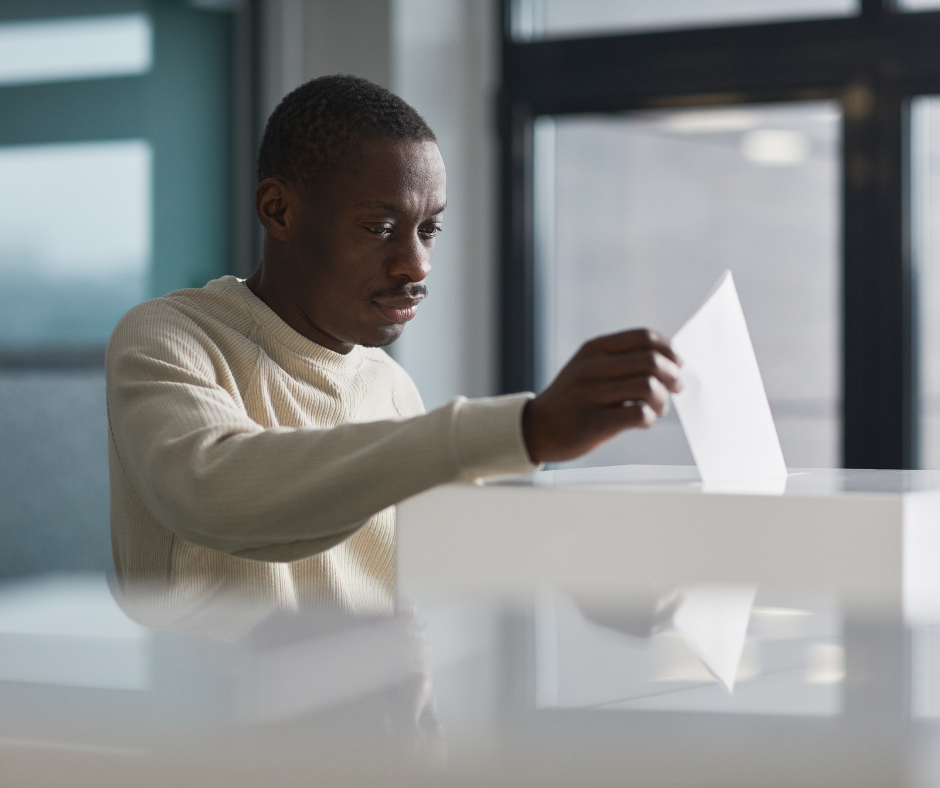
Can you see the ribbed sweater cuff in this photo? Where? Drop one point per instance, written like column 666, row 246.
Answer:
column 489, row 436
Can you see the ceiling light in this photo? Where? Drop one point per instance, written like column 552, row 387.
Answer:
column 710, row 121
column 775, row 147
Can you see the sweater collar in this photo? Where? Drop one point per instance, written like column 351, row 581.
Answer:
column 274, row 327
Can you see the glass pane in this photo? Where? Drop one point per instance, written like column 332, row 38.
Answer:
column 925, row 182
column 56, row 50
column 538, row 19
column 75, row 228
column 918, row 5
column 638, row 214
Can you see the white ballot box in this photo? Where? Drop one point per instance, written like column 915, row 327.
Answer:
column 871, row 537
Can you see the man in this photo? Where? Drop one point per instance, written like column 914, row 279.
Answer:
column 259, row 436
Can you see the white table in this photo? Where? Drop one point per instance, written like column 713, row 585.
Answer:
column 871, row 537
column 540, row 636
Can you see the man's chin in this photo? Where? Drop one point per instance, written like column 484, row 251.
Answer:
column 384, row 336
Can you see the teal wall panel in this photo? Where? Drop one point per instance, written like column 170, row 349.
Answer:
column 53, row 429
column 189, row 108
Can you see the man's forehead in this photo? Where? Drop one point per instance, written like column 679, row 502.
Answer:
column 393, row 207
column 403, row 177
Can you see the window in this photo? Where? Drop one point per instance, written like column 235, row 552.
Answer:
column 918, row 5
column 925, row 181
column 116, row 166
column 625, row 133
column 645, row 210
column 75, row 224
column 119, row 146
column 539, row 19
column 52, row 50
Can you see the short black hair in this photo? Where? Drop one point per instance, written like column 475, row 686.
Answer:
column 317, row 127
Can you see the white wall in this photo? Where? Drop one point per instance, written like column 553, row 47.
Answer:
column 441, row 56
column 445, row 65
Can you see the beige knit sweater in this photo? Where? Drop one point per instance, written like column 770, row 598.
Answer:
column 246, row 459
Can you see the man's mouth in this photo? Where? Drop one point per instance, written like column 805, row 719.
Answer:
column 399, row 310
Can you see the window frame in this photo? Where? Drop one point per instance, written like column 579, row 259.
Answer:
column 873, row 64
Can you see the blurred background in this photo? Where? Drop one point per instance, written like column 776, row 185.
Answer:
column 607, row 160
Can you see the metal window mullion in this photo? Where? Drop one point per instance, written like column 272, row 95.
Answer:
column 517, row 358
column 879, row 390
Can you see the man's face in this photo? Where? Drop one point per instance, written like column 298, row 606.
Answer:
column 358, row 251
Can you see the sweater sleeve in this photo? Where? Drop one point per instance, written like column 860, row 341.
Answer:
column 210, row 474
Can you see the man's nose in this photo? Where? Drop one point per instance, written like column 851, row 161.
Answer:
column 412, row 260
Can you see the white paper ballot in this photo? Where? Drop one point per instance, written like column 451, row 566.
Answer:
column 723, row 406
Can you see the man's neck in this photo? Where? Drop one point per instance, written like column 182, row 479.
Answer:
column 269, row 290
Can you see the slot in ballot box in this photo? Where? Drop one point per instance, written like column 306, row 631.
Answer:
column 872, row 537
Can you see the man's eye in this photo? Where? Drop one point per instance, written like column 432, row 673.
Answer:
column 384, row 229
column 430, row 232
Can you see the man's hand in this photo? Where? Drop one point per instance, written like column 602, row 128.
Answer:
column 612, row 384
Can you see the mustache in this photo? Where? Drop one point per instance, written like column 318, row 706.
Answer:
column 410, row 290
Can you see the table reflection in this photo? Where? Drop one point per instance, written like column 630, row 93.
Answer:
column 692, row 684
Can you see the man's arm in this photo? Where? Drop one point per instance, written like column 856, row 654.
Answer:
column 209, row 473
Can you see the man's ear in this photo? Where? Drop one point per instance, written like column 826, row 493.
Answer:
column 275, row 204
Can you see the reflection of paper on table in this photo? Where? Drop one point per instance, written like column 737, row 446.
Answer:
column 713, row 619
column 693, row 646
column 723, row 406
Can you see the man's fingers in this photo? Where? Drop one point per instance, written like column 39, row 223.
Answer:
column 645, row 389
column 634, row 339
column 637, row 416
column 613, row 383
column 638, row 362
